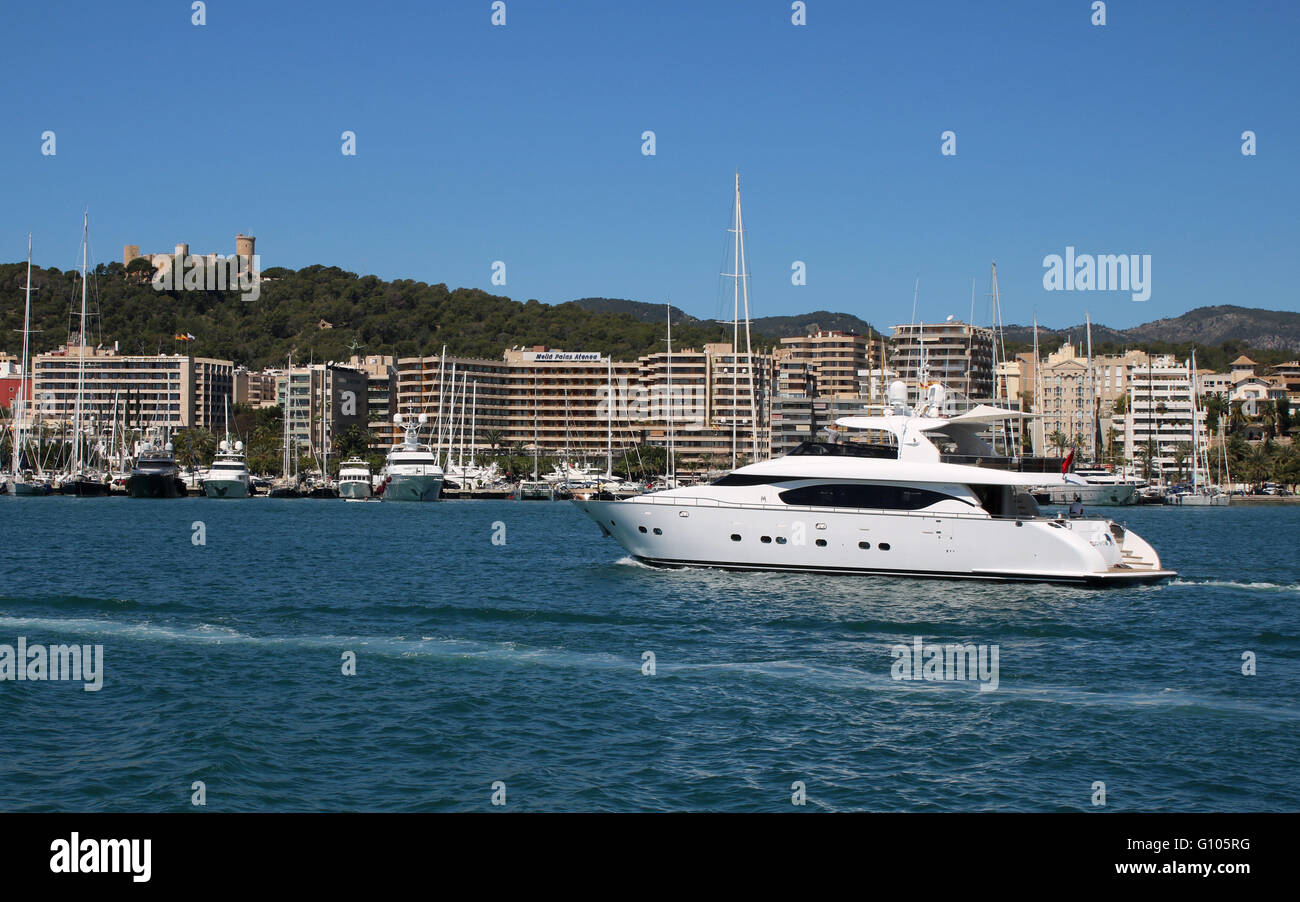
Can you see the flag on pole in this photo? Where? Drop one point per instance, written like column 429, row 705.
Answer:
column 1065, row 464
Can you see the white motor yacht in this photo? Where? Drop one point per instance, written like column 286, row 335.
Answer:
column 411, row 472
column 893, row 509
column 228, row 476
column 354, row 479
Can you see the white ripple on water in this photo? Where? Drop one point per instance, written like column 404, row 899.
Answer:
column 393, row 646
column 511, row 653
column 1231, row 584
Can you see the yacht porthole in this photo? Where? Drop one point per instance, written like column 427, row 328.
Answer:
column 735, row 537
column 865, row 546
column 658, row 531
column 780, row 540
column 683, row 513
column 821, row 526
column 766, row 540
column 640, row 529
column 821, row 543
column 883, row 546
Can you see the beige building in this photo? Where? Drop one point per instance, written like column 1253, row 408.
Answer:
column 171, row 390
column 557, row 402
column 957, row 354
column 552, row 399
column 257, row 389
column 324, row 399
column 824, row 364
column 711, row 394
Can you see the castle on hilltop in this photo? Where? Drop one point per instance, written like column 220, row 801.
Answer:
column 244, row 247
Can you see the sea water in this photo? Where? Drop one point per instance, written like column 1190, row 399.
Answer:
column 313, row 655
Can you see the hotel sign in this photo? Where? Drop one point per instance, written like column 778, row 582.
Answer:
column 564, row 356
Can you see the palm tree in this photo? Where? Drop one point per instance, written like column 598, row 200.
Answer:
column 1257, row 466
column 1268, row 416
column 493, row 439
column 1059, row 441
column 1236, row 417
column 1286, row 466
column 1112, row 434
column 1215, row 407
column 1182, row 451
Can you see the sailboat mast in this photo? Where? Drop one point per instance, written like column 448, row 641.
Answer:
column 609, row 416
column 75, row 466
column 743, row 279
column 668, row 415
column 1037, row 431
column 288, row 390
column 1092, row 401
column 442, row 369
column 735, row 330
column 473, row 424
column 25, row 377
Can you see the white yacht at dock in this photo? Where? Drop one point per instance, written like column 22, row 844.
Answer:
column 354, row 479
column 411, row 472
column 228, row 476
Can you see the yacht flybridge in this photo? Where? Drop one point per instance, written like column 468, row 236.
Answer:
column 895, row 508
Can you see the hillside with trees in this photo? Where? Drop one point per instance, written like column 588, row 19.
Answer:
column 323, row 312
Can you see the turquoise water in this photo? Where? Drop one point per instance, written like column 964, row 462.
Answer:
column 522, row 662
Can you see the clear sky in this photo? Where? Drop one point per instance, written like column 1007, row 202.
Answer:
column 522, row 144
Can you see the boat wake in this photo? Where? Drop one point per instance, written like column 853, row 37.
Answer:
column 1232, row 584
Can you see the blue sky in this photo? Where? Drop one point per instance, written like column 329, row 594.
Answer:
column 523, row 144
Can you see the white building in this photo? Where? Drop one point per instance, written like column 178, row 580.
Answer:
column 1161, row 411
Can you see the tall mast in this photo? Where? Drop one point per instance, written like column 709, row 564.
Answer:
column 1092, row 401
column 75, row 465
column 743, row 278
column 473, row 424
column 735, row 327
column 288, row 390
column 668, row 415
column 609, row 416
column 1034, row 405
column 460, row 429
column 25, row 376
column 442, row 368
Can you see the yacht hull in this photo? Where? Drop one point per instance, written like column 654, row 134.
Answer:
column 356, row 491
column 225, row 488
column 413, row 488
column 84, row 488
column 1199, row 500
column 155, row 485
column 673, row 533
column 30, row 488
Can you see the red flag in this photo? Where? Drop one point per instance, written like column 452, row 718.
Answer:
column 1065, row 464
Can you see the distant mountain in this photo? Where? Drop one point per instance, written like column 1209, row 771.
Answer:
column 1205, row 326
column 764, row 326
